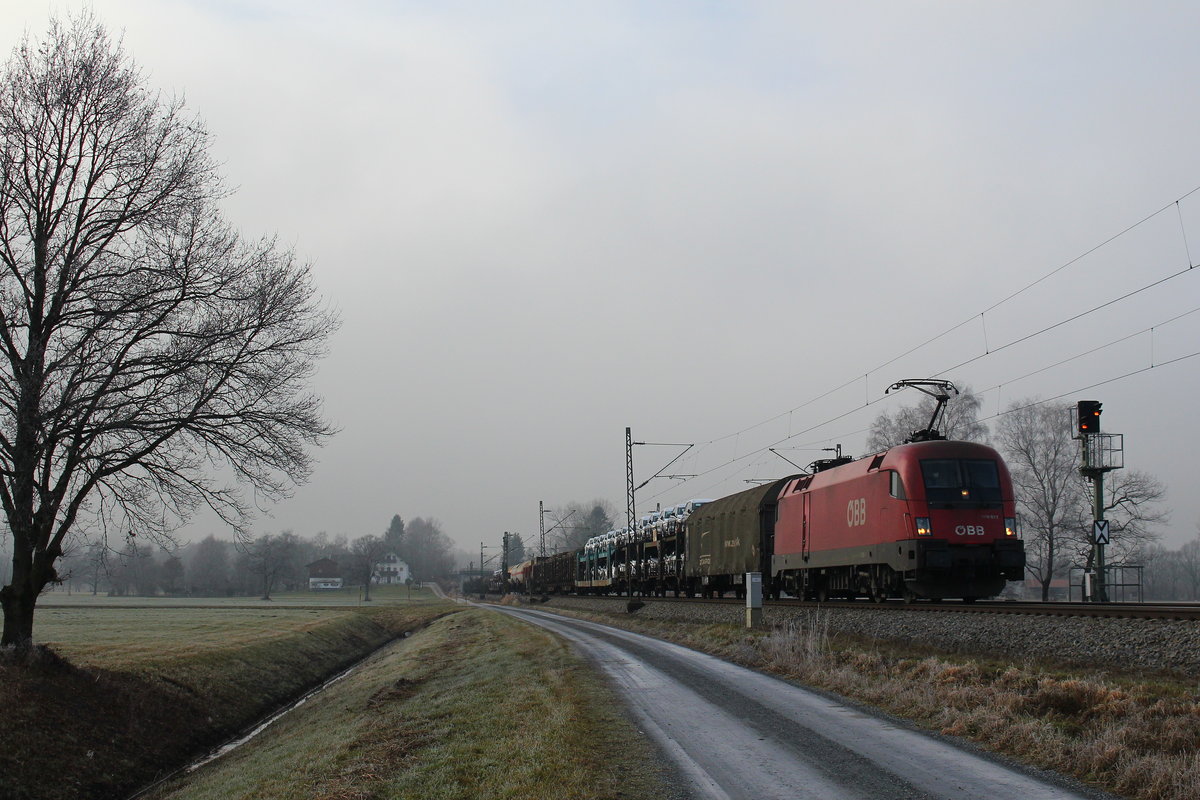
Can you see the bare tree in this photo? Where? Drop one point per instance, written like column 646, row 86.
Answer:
column 961, row 421
column 270, row 557
column 426, row 549
column 1161, row 579
column 143, row 343
column 1044, row 463
column 582, row 521
column 89, row 564
column 365, row 553
column 1188, row 564
column 172, row 574
column 134, row 571
column 208, row 567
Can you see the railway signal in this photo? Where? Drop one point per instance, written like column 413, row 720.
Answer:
column 1102, row 452
column 1089, row 416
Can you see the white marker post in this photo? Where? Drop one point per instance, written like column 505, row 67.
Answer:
column 754, row 599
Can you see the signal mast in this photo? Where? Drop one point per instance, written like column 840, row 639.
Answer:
column 1102, row 452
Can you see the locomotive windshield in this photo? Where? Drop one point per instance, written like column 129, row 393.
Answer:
column 956, row 481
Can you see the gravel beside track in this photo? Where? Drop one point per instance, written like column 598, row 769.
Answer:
column 1138, row 644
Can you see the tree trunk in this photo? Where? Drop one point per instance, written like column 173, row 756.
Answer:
column 31, row 572
column 1049, row 572
column 18, row 604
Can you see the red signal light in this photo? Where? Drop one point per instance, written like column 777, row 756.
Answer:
column 1089, row 416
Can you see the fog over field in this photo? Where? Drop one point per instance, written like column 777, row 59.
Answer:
column 728, row 224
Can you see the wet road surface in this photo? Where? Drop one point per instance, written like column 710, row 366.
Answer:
column 736, row 733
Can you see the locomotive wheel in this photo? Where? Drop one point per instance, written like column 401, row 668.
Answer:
column 969, row 599
column 822, row 595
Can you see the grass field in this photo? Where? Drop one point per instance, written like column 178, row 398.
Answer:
column 350, row 596
column 148, row 633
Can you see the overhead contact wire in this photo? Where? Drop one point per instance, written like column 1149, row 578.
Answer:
column 992, row 307
column 987, row 352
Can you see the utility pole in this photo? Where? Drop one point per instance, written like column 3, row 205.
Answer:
column 629, row 518
column 552, row 528
column 542, row 525
column 1098, row 542
column 482, row 575
column 629, row 513
column 504, row 566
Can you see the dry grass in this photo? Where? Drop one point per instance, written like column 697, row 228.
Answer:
column 1132, row 735
column 476, row 705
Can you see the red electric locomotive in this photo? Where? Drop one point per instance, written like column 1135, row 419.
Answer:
column 928, row 519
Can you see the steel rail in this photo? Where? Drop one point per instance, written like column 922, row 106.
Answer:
column 1177, row 611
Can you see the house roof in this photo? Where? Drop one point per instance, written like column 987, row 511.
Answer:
column 324, row 568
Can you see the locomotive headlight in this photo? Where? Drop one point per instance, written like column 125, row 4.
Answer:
column 1010, row 526
column 923, row 527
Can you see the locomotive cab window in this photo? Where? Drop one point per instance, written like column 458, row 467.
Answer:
column 961, row 481
column 896, row 488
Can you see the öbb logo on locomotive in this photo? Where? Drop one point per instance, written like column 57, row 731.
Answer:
column 856, row 512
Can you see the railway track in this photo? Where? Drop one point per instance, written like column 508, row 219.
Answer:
column 1111, row 610
column 1178, row 611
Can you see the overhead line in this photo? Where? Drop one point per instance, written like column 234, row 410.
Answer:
column 980, row 314
column 1118, row 340
column 987, row 351
column 1066, row 321
column 1104, row 382
column 868, row 403
column 998, row 414
column 1081, row 256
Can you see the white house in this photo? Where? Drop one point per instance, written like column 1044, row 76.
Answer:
column 390, row 569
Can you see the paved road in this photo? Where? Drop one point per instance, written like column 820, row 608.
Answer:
column 735, row 733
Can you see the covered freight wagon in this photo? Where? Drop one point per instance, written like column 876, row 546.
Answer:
column 729, row 537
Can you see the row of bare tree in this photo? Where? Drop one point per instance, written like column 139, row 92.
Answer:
column 1172, row 574
column 220, row 567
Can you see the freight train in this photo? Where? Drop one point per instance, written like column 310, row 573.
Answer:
column 930, row 518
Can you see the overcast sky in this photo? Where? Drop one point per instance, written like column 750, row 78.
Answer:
column 542, row 222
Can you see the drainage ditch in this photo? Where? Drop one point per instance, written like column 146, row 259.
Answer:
column 257, row 728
